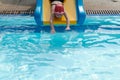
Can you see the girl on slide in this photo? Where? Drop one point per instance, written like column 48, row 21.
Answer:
column 57, row 10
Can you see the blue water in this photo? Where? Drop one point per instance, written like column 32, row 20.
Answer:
column 89, row 52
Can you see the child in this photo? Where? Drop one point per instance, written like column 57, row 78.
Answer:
column 57, row 10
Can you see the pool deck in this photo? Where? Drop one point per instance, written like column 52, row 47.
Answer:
column 12, row 5
column 102, row 5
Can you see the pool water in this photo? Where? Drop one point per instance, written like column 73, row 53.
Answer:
column 88, row 52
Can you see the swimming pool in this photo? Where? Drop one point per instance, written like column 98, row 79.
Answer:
column 89, row 52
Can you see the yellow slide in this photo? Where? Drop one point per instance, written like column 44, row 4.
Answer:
column 70, row 9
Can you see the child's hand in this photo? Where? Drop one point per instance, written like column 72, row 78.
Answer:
column 52, row 31
column 67, row 28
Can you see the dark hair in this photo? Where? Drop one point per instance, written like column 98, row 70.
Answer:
column 57, row 0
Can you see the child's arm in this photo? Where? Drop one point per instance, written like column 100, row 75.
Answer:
column 51, row 24
column 67, row 21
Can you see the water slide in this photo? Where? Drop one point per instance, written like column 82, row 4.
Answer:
column 74, row 8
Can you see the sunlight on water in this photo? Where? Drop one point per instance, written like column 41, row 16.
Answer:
column 89, row 55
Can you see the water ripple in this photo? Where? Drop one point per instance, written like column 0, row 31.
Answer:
column 92, row 54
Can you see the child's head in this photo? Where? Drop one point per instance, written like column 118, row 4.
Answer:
column 59, row 10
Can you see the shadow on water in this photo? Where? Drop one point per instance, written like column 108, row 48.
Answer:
column 61, row 29
column 37, row 29
column 32, row 27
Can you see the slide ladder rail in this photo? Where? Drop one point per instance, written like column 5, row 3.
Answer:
column 38, row 12
column 81, row 12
